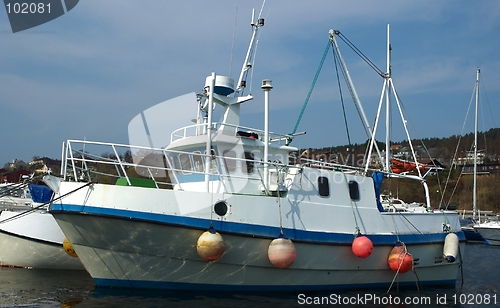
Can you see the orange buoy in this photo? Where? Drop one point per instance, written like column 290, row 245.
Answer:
column 400, row 260
column 210, row 245
column 282, row 252
column 362, row 246
column 69, row 248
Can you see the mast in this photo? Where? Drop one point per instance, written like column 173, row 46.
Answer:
column 474, row 192
column 356, row 99
column 388, row 106
column 384, row 96
column 248, row 62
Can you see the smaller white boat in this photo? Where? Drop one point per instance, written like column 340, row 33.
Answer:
column 470, row 233
column 15, row 195
column 490, row 231
column 29, row 235
column 391, row 204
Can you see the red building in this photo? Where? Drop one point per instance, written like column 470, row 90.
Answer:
column 12, row 176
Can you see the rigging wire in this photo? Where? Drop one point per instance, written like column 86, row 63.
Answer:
column 419, row 138
column 456, row 151
column 482, row 118
column 341, row 96
column 359, row 53
column 311, row 88
column 232, row 44
column 351, row 91
column 44, row 204
column 488, row 103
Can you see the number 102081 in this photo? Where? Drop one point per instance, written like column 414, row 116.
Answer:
column 28, row 8
column 475, row 299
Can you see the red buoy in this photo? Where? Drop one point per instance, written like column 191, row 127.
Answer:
column 362, row 246
column 400, row 259
column 210, row 245
column 282, row 252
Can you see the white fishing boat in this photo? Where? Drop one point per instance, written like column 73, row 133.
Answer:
column 227, row 207
column 30, row 237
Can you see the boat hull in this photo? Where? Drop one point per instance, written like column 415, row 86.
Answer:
column 491, row 234
column 471, row 235
column 33, row 241
column 131, row 253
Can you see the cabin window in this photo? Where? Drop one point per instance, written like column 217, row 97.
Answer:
column 175, row 161
column 229, row 160
column 354, row 190
column 185, row 163
column 248, row 163
column 198, row 161
column 323, row 187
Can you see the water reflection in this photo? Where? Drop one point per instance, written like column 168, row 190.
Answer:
column 56, row 288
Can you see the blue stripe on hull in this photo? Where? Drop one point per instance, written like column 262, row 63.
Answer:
column 160, row 285
column 244, row 229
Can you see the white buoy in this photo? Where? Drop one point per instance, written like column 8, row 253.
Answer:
column 450, row 249
column 210, row 245
column 282, row 252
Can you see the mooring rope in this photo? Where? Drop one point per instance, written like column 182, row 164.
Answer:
column 405, row 252
column 357, row 230
column 42, row 205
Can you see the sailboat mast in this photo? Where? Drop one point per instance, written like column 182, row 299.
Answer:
column 474, row 192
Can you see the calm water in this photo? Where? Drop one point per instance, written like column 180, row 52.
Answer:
column 52, row 288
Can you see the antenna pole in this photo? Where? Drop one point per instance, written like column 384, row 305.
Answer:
column 208, row 150
column 266, row 86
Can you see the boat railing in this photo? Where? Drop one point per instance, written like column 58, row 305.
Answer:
column 201, row 129
column 190, row 130
column 79, row 163
column 319, row 164
column 125, row 164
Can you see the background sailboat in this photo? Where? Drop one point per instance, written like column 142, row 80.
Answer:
column 489, row 230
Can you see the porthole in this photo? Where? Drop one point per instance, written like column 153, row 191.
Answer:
column 220, row 208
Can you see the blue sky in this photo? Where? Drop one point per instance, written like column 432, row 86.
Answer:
column 87, row 73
